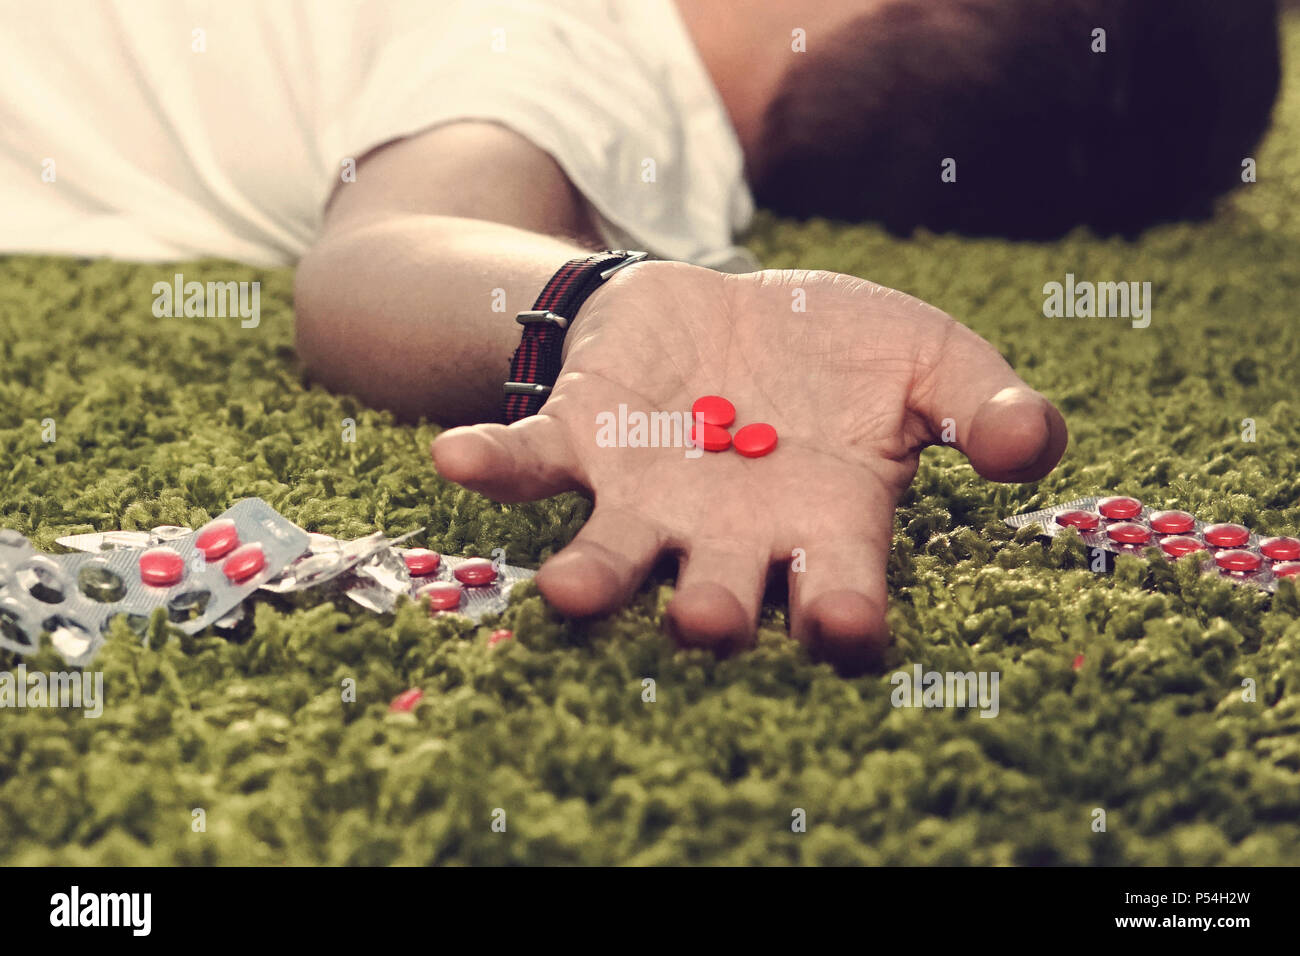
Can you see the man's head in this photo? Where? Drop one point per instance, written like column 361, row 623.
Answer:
column 1046, row 130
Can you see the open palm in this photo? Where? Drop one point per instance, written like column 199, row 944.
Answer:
column 857, row 379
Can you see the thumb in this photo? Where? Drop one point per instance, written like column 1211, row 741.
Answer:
column 521, row 462
column 1016, row 435
column 974, row 400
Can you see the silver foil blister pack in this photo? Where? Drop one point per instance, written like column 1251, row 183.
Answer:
column 74, row 597
column 379, row 582
column 329, row 558
column 1120, row 524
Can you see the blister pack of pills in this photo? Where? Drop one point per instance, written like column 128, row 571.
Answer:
column 473, row 587
column 370, row 571
column 204, row 577
column 199, row 576
column 1120, row 524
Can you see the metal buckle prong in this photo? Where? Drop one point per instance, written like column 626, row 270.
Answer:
column 527, row 388
column 633, row 258
column 542, row 315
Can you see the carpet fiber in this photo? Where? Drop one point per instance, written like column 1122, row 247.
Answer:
column 167, row 421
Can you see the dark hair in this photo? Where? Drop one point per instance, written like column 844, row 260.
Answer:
column 1046, row 133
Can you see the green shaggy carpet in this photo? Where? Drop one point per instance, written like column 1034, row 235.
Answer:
column 170, row 420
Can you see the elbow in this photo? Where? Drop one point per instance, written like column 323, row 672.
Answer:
column 315, row 319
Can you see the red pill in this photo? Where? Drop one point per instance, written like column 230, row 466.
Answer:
column 422, row 561
column 714, row 410
column 755, row 441
column 1288, row 570
column 1172, row 522
column 710, row 437
column 1083, row 520
column 1128, row 532
column 1226, row 535
column 1078, row 661
column 476, row 572
column 161, row 567
column 244, row 562
column 1178, row 545
column 499, row 636
column 1240, row 561
column 406, row 700
column 1281, row 549
column 216, row 539
column 442, row 595
column 1119, row 508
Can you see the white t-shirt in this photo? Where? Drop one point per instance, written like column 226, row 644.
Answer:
column 165, row 130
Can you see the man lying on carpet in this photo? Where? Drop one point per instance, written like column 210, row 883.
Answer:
column 429, row 165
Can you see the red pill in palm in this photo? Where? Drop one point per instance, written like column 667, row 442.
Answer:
column 1083, row 520
column 1177, row 545
column 1119, row 508
column 714, row 410
column 442, row 595
column 1281, row 549
column 1226, row 535
column 1242, row 562
column 710, row 437
column 216, row 539
column 244, row 562
column 755, row 441
column 1128, row 532
column 161, row 567
column 476, row 572
column 422, row 561
column 1172, row 522
column 1288, row 570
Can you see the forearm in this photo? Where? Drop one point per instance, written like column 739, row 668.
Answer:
column 415, row 313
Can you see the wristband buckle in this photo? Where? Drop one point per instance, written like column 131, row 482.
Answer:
column 632, row 258
column 542, row 315
column 540, row 348
column 527, row 388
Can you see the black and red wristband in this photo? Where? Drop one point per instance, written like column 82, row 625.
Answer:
column 536, row 363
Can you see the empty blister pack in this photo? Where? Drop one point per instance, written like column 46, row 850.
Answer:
column 199, row 577
column 97, row 541
column 1120, row 524
column 329, row 558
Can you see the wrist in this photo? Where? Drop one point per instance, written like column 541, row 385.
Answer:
column 537, row 362
column 609, row 291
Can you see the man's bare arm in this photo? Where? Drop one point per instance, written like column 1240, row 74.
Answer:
column 394, row 305
column 394, row 301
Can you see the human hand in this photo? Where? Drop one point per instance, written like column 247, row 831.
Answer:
column 856, row 386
